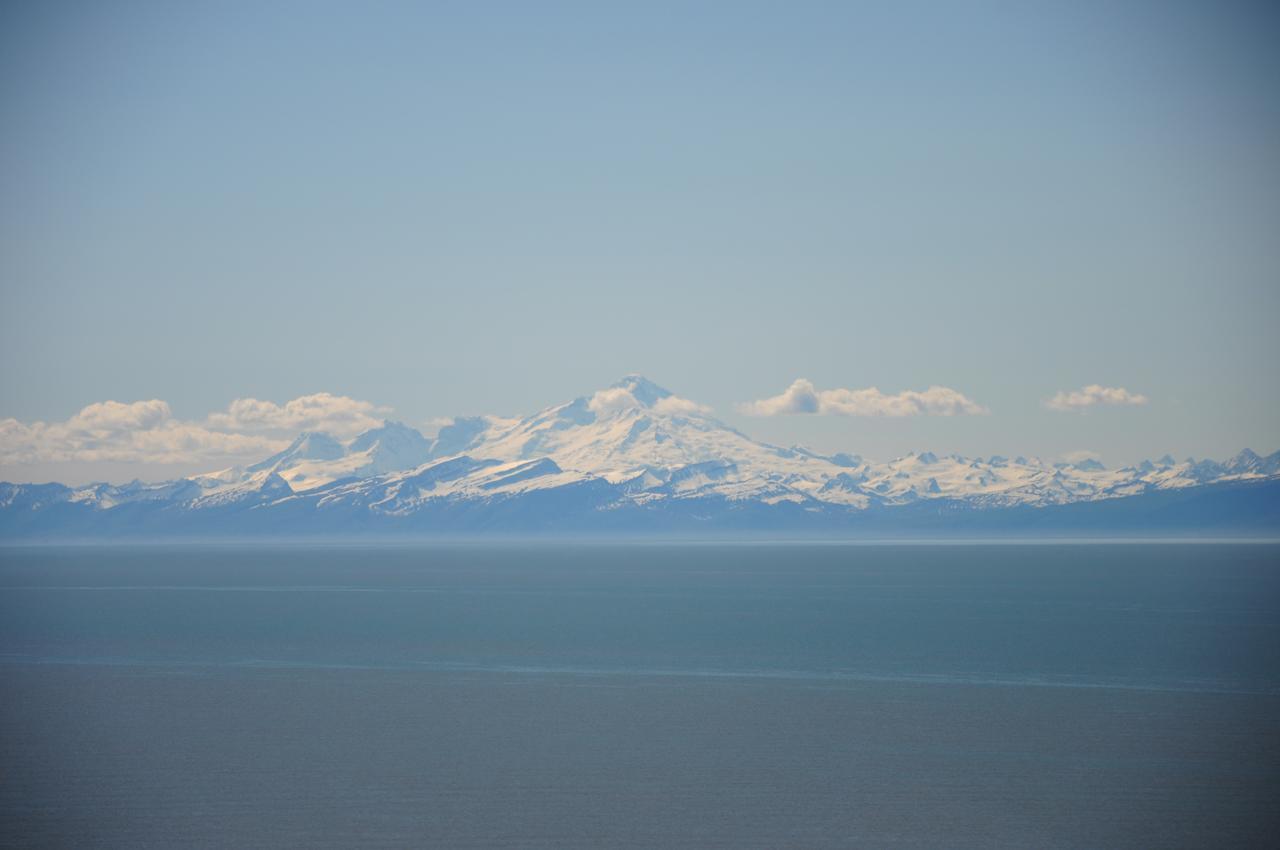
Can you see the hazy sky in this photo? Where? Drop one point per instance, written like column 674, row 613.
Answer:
column 461, row 208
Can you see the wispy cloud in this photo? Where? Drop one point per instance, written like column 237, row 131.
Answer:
column 612, row 400
column 676, row 406
column 147, row 431
column 1092, row 396
column 618, row 399
column 803, row 397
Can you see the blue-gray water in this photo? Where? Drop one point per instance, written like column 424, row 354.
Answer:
column 644, row 695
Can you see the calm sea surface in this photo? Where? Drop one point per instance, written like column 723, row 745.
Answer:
column 643, row 695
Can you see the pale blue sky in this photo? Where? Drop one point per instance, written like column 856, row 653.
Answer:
column 485, row 207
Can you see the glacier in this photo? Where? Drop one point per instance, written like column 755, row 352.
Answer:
column 634, row 458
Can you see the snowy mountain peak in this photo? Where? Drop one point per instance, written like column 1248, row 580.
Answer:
column 393, row 437
column 1246, row 461
column 392, row 446
column 309, row 445
column 1250, row 462
column 642, row 389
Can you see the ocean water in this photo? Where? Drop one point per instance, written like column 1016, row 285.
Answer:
column 675, row 695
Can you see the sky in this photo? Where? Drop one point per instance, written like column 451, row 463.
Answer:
column 992, row 227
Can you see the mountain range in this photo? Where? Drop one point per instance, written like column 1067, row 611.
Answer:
column 635, row 459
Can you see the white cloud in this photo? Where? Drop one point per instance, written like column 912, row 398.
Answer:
column 618, row 399
column 612, row 400
column 673, row 405
column 108, row 416
column 1091, row 396
column 335, row 414
column 803, row 397
column 800, row 397
column 147, row 432
column 1080, row 456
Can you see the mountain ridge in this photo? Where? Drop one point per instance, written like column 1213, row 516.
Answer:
column 633, row 451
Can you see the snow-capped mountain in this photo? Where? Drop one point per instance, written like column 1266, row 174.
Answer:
column 630, row 450
column 315, row 459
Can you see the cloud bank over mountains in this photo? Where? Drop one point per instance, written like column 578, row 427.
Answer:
column 803, row 397
column 1093, row 395
column 147, row 431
